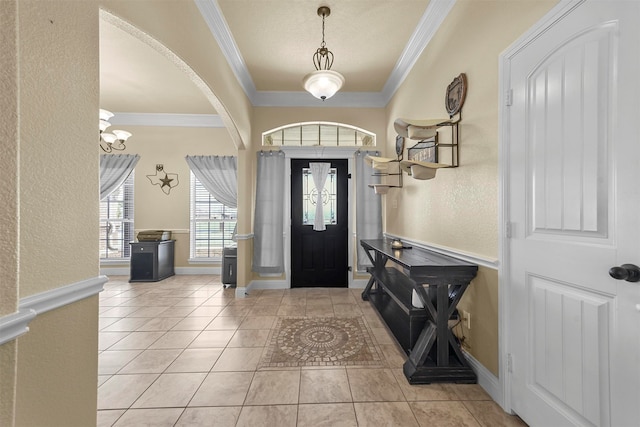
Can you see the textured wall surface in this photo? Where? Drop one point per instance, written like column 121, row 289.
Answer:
column 58, row 213
column 459, row 208
column 58, row 161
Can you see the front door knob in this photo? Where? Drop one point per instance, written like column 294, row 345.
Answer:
column 628, row 272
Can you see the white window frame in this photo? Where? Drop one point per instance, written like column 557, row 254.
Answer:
column 228, row 223
column 127, row 220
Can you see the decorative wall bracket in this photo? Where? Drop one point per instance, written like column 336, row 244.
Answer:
column 166, row 181
column 383, row 164
column 424, row 158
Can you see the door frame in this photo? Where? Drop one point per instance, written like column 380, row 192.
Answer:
column 504, row 216
column 318, row 152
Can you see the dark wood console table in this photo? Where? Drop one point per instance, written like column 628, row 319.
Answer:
column 439, row 282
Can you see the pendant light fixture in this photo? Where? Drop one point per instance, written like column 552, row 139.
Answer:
column 323, row 83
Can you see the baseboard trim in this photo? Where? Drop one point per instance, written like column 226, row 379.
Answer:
column 489, row 382
column 16, row 324
column 198, row 270
column 115, row 271
column 268, row 284
column 124, row 271
column 359, row 283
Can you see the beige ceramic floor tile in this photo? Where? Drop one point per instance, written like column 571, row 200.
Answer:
column 176, row 312
column 263, row 310
column 220, row 417
column 238, row 359
column 324, row 386
column 382, row 336
column 212, row 339
column 258, row 322
column 206, row 311
column 320, row 310
column 117, row 311
column 394, row 356
column 469, row 391
column 126, row 324
column 137, row 341
column 103, row 322
column 159, row 417
column 102, row 379
column 223, row 389
column 120, row 391
column 195, row 360
column 385, row 414
column 249, row 338
column 151, row 362
column 268, row 416
column 318, row 300
column 111, row 361
column 423, row 391
column 489, row 414
column 192, row 324
column 170, row 390
column 107, row 418
column 175, row 339
column 107, row 339
column 192, row 302
column 327, row 415
column 445, row 414
column 160, row 324
column 274, row 388
column 146, row 311
column 373, row 385
column 346, row 310
column 235, row 311
column 225, row 323
column 292, row 310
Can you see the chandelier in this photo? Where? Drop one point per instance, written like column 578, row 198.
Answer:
column 113, row 140
column 323, row 83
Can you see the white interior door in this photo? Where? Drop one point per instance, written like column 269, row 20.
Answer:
column 573, row 203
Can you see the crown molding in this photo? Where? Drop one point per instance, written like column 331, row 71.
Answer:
column 429, row 24
column 168, row 119
column 305, row 99
column 434, row 15
column 210, row 11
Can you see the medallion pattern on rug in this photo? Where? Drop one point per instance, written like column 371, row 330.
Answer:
column 321, row 341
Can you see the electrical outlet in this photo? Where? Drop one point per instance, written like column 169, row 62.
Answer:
column 466, row 319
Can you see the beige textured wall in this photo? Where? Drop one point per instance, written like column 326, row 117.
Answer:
column 58, row 213
column 459, row 208
column 8, row 199
column 58, row 163
column 155, row 210
column 58, row 368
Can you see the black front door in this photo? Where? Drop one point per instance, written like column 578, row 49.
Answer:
column 319, row 258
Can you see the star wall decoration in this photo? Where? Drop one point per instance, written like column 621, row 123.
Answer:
column 166, row 181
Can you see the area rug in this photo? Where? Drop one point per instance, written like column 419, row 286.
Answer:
column 321, row 341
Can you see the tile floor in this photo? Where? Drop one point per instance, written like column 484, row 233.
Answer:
column 185, row 351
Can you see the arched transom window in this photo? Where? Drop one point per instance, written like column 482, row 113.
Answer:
column 319, row 133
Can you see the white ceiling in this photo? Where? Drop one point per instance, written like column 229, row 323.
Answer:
column 269, row 45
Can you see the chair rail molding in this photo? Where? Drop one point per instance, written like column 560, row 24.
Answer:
column 16, row 324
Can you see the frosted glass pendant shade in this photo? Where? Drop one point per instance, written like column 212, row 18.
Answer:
column 323, row 84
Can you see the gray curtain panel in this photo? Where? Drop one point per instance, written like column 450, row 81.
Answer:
column 219, row 175
column 268, row 226
column 114, row 170
column 368, row 206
